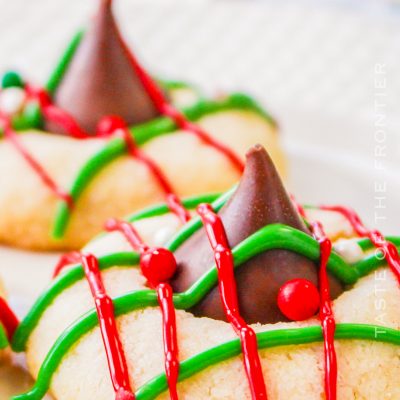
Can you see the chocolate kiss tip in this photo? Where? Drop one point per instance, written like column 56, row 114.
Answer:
column 257, row 148
column 106, row 2
column 259, row 200
column 259, row 161
column 101, row 79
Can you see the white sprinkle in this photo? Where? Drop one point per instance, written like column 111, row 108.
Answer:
column 12, row 100
column 349, row 250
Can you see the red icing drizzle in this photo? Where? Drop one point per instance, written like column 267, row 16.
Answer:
column 55, row 114
column 164, row 293
column 165, row 108
column 326, row 313
column 108, row 327
column 65, row 260
column 33, row 163
column 173, row 201
column 325, row 309
column 181, row 121
column 227, row 288
column 389, row 249
column 7, row 318
column 392, row 257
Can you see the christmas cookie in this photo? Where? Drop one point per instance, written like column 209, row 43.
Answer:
column 250, row 299
column 104, row 138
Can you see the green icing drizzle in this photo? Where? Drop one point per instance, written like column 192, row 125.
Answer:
column 271, row 236
column 366, row 244
column 3, row 338
column 267, row 238
column 173, row 85
column 161, row 209
column 363, row 267
column 201, row 361
column 30, row 117
column 58, row 73
column 142, row 133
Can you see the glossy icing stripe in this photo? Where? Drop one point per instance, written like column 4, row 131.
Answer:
column 66, row 260
column 34, row 164
column 8, row 320
column 3, row 338
column 326, row 313
column 108, row 327
column 57, row 74
column 170, row 337
column 227, row 288
column 157, row 265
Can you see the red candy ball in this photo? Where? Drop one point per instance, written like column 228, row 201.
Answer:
column 158, row 265
column 108, row 125
column 298, row 299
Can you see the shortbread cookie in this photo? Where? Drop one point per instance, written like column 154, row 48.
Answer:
column 73, row 162
column 313, row 309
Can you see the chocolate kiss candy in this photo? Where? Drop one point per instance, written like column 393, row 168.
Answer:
column 101, row 80
column 259, row 200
